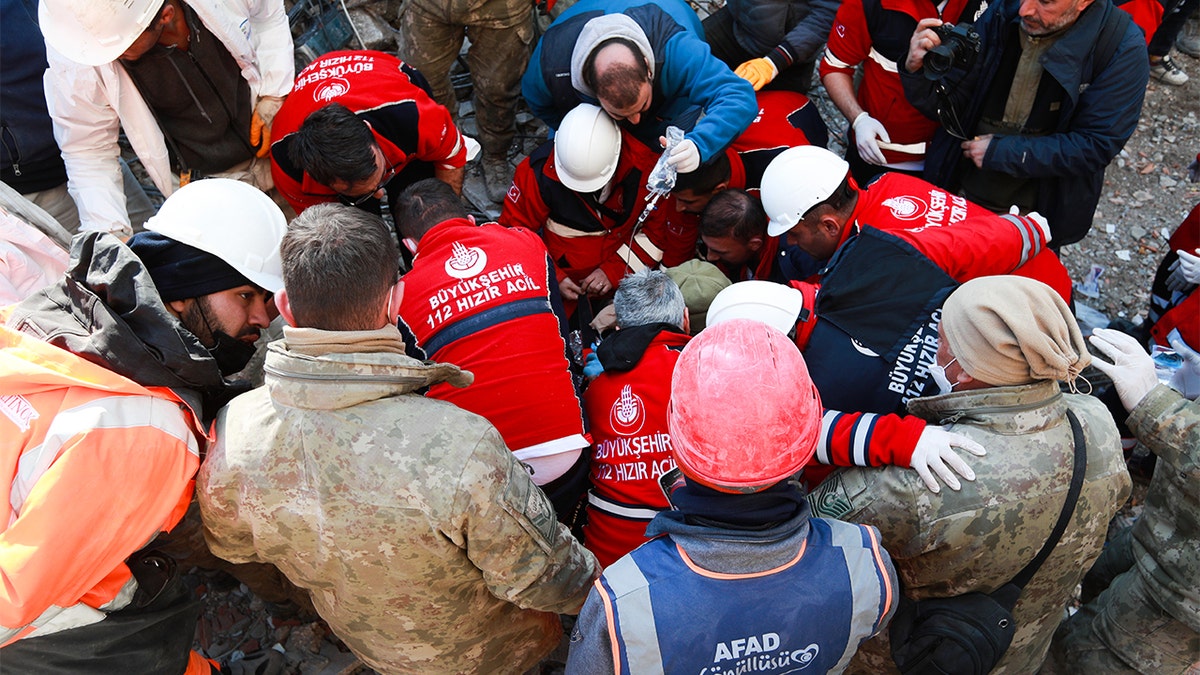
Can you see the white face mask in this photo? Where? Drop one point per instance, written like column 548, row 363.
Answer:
column 938, row 373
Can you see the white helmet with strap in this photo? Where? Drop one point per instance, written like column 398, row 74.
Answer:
column 587, row 147
column 797, row 180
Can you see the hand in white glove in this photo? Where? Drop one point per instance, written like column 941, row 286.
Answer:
column 1037, row 218
column 685, row 157
column 935, row 455
column 1131, row 370
column 866, row 130
column 1186, row 380
column 1185, row 272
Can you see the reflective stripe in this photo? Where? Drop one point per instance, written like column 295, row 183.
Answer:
column 749, row 575
column 110, row 412
column 860, row 439
column 828, row 422
column 635, row 263
column 883, row 61
column 835, row 61
column 470, row 325
column 653, row 254
column 635, row 614
column 1027, row 246
column 620, row 510
column 55, row 618
column 870, row 587
column 554, row 227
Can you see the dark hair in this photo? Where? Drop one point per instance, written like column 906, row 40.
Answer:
column 338, row 264
column 620, row 84
column 423, row 205
column 333, row 144
column 842, row 200
column 706, row 178
column 733, row 213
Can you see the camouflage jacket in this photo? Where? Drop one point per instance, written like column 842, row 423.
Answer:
column 1166, row 539
column 977, row 539
column 421, row 539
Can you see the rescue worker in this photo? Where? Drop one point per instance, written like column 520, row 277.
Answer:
column 646, row 64
column 108, row 381
column 880, row 303
column 741, row 536
column 194, row 84
column 425, row 544
column 626, row 408
column 483, row 297
column 584, row 192
column 733, row 228
column 1006, row 344
column 362, row 125
column 848, row 438
column 886, row 132
column 1147, row 620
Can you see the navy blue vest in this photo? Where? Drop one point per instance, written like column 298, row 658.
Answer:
column 671, row 616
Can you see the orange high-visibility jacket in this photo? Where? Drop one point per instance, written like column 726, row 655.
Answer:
column 92, row 467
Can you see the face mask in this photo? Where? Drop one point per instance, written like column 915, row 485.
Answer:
column 938, row 373
column 231, row 354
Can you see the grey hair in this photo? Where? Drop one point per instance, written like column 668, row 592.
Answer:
column 339, row 262
column 648, row 296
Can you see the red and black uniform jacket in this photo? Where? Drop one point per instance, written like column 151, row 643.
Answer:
column 386, row 93
column 482, row 298
column 582, row 233
column 626, row 408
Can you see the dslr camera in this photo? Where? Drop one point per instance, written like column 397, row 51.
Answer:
column 959, row 47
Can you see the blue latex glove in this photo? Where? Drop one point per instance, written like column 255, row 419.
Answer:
column 591, row 366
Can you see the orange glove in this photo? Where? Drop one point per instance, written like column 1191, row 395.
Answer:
column 758, row 72
column 260, row 123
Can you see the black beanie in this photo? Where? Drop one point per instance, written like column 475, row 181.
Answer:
column 180, row 271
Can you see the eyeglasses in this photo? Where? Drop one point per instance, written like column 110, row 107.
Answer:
column 388, row 175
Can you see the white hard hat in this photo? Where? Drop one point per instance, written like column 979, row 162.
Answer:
column 776, row 305
column 797, row 180
column 232, row 220
column 586, row 148
column 95, row 32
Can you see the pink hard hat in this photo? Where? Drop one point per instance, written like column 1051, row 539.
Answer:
column 744, row 413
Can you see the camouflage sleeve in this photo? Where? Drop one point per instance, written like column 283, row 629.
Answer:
column 885, row 497
column 511, row 534
column 218, row 491
column 1169, row 425
column 591, row 647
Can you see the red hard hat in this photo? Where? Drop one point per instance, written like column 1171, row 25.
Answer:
column 744, row 413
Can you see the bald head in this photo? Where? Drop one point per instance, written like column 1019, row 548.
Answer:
column 620, row 76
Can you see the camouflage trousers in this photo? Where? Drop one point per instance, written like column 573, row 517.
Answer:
column 501, row 35
column 1124, row 631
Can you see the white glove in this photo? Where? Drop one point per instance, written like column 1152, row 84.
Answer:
column 935, row 450
column 866, row 129
column 1186, row 380
column 1131, row 370
column 685, row 157
column 1037, row 218
column 1185, row 272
